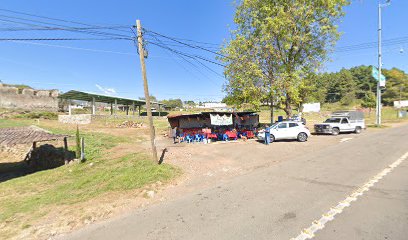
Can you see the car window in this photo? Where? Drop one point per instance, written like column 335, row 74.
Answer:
column 293, row 125
column 282, row 125
column 344, row 120
column 332, row 120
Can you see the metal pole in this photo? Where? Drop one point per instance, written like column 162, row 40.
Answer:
column 378, row 110
column 116, row 107
column 93, row 106
column 146, row 89
column 82, row 149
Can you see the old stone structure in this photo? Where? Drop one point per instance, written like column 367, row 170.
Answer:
column 28, row 99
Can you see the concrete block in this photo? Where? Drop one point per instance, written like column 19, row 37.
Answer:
column 75, row 119
column 28, row 91
column 54, row 93
column 42, row 93
column 9, row 90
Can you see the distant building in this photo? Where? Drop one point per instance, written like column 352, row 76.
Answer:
column 16, row 97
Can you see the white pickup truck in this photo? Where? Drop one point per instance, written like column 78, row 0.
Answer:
column 342, row 121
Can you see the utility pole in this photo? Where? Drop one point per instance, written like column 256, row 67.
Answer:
column 378, row 109
column 146, row 89
column 401, row 87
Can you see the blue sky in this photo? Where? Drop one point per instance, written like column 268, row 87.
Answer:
column 92, row 65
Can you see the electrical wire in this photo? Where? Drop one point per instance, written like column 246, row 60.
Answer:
column 186, row 44
column 186, row 60
column 56, row 19
column 186, row 55
column 10, row 29
column 58, row 39
column 76, row 48
column 31, row 21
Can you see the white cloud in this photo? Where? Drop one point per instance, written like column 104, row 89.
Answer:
column 107, row 91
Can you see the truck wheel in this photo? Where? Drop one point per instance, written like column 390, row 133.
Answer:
column 272, row 138
column 335, row 131
column 302, row 137
column 358, row 130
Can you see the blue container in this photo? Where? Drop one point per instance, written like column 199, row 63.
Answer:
column 280, row 118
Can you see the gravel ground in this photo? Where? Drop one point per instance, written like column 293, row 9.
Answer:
column 207, row 164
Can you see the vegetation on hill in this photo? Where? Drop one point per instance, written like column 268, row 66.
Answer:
column 349, row 85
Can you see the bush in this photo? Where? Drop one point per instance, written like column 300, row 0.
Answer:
column 38, row 115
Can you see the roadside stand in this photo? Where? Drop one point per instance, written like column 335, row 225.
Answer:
column 207, row 127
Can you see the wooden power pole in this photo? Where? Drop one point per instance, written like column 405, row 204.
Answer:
column 146, row 89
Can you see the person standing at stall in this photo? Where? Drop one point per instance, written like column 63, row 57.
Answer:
column 174, row 134
column 267, row 135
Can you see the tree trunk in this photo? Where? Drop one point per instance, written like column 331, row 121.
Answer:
column 288, row 107
column 272, row 113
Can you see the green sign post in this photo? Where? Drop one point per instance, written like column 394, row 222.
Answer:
column 374, row 73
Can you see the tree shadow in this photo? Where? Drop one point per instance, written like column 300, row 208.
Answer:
column 42, row 158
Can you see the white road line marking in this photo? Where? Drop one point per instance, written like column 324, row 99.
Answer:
column 309, row 233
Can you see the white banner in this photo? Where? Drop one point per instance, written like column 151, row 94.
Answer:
column 311, row 107
column 221, row 120
column 400, row 104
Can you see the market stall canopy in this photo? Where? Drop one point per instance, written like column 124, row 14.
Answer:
column 87, row 96
column 206, row 119
column 24, row 135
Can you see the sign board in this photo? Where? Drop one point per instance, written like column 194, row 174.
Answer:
column 221, row 119
column 401, row 104
column 311, row 107
column 375, row 73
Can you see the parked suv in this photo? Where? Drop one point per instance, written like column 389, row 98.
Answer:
column 343, row 121
column 287, row 130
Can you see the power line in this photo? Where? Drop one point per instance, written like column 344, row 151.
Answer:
column 186, row 44
column 67, row 28
column 10, row 29
column 54, row 19
column 185, row 54
column 76, row 48
column 362, row 46
column 57, row 39
column 195, row 66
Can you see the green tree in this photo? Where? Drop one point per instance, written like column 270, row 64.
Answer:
column 396, row 86
column 369, row 101
column 276, row 45
column 173, row 103
column 152, row 98
column 364, row 81
column 347, row 87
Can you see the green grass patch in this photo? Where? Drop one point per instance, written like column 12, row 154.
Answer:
column 96, row 144
column 7, row 123
column 24, row 200
column 31, row 195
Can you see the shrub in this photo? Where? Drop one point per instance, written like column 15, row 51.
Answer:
column 38, row 115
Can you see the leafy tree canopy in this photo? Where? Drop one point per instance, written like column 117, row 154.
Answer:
column 275, row 47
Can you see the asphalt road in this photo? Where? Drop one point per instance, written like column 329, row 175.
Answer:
column 279, row 201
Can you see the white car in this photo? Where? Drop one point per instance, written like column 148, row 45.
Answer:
column 286, row 130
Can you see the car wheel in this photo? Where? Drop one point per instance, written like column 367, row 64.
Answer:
column 302, row 137
column 335, row 131
column 358, row 130
column 272, row 138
